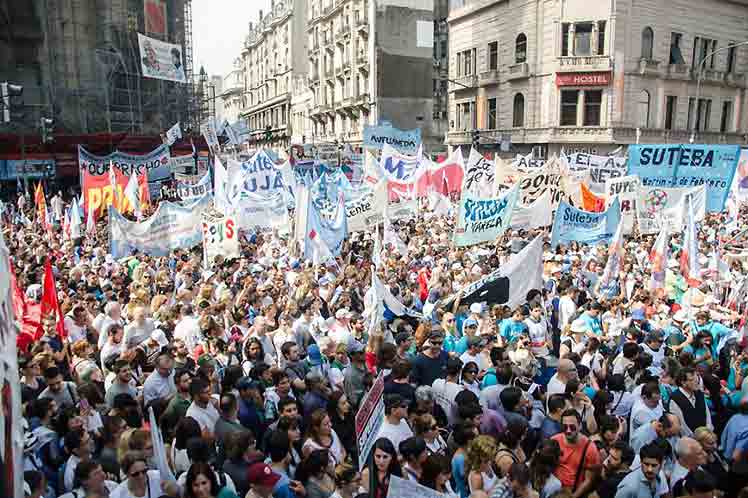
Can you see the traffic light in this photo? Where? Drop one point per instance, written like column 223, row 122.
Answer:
column 268, row 133
column 47, row 127
column 8, row 91
column 476, row 138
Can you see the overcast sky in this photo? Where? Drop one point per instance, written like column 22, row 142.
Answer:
column 218, row 31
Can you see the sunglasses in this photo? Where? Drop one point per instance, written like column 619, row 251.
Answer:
column 138, row 473
column 438, row 343
column 569, row 427
column 471, row 371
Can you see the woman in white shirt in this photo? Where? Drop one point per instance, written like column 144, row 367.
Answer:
column 139, row 481
column 321, row 436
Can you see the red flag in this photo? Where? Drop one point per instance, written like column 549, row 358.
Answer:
column 49, row 301
column 19, row 298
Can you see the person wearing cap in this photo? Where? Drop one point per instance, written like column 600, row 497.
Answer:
column 473, row 353
column 160, row 383
column 404, row 343
column 261, row 480
column 395, row 425
column 675, row 334
column 431, row 363
column 354, row 375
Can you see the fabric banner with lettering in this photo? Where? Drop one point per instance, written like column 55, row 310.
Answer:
column 527, row 163
column 479, row 175
column 572, row 224
column 405, row 141
column 535, row 184
column 258, row 175
column 626, row 189
column 189, row 191
column 483, row 219
column 406, row 488
column 171, row 227
column 262, row 211
column 535, row 215
column 95, row 181
column 367, row 211
column 600, row 168
column 741, row 177
column 658, row 208
column 590, row 201
column 687, row 166
column 398, row 167
column 209, row 132
column 220, row 237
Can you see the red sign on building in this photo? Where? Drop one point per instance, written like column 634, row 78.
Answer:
column 583, row 79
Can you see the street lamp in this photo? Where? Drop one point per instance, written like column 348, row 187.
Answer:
column 698, row 81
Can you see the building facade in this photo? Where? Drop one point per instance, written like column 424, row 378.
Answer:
column 273, row 54
column 590, row 76
column 232, row 96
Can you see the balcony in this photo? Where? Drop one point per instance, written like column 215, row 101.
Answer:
column 362, row 26
column 463, row 83
column 677, row 72
column 649, row 67
column 330, row 46
column 736, row 80
column 576, row 64
column 518, row 71
column 488, row 77
column 343, row 32
column 710, row 75
column 362, row 101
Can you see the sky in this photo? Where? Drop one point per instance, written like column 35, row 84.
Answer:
column 218, row 31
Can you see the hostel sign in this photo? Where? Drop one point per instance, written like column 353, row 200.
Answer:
column 600, row 78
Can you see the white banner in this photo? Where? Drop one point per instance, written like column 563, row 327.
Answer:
column 264, row 211
column 535, row 215
column 405, row 488
column 190, row 191
column 161, row 60
column 173, row 134
column 220, row 237
column 657, row 208
column 533, row 185
column 208, row 129
column 626, row 189
column 600, row 168
column 527, row 163
column 479, row 176
column 367, row 211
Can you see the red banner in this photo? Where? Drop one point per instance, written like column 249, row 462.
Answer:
column 98, row 189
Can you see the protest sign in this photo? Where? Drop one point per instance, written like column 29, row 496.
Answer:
column 369, row 418
column 399, row 167
column 479, row 175
column 527, row 163
column 189, row 191
column 171, row 227
column 161, row 60
column 173, row 134
column 257, row 176
column 404, row 141
column 482, row 220
column 626, row 189
column 208, row 130
column 687, row 166
column 741, row 177
column 220, row 236
column 659, row 208
column 368, row 210
column 324, row 230
column 405, row 488
column 600, row 168
column 572, row 224
column 266, row 211
column 533, row 185
column 535, row 215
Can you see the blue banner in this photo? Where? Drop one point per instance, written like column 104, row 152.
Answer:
column 572, row 224
column 332, row 230
column 260, row 176
column 156, row 163
column 687, row 165
column 405, row 141
column 12, row 169
column 482, row 220
column 190, row 192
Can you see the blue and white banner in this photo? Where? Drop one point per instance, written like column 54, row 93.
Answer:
column 323, row 231
column 398, row 167
column 259, row 175
column 404, row 141
column 171, row 227
column 156, row 163
column 482, row 220
column 190, row 192
column 572, row 224
column 600, row 168
column 685, row 166
column 367, row 211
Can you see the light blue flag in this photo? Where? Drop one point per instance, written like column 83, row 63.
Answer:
column 572, row 224
column 482, row 220
column 325, row 233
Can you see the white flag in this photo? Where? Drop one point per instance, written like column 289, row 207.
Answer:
column 219, row 188
column 132, row 194
column 173, row 134
column 75, row 220
column 376, row 256
column 91, row 220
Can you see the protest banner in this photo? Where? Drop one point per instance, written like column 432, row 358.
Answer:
column 171, row 227
column 95, row 179
column 600, row 168
column 741, row 177
column 329, row 230
column 399, row 167
column 572, row 224
column 258, row 175
column 369, row 418
column 482, row 220
column 626, row 190
column 506, row 175
column 220, row 236
column 404, row 141
column 173, row 134
column 535, row 215
column 687, row 166
column 208, row 130
column 368, row 210
column 256, row 211
column 533, row 185
column 352, row 163
column 405, row 488
column 189, row 191
column 526, row 163
column 161, row 60
column 659, row 208
column 479, row 175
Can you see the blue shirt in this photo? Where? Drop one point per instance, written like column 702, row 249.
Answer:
column 592, row 323
column 458, row 472
column 510, row 329
column 635, row 485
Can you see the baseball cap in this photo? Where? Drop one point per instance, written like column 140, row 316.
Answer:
column 262, row 475
column 313, row 355
column 470, row 322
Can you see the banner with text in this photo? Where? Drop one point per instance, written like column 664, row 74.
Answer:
column 404, row 141
column 263, row 211
column 258, row 176
column 367, row 211
column 626, row 190
column 659, row 208
column 687, row 166
column 171, row 227
column 482, row 220
column 191, row 191
column 572, row 224
column 479, row 175
column 600, row 168
column 533, row 185
column 220, row 237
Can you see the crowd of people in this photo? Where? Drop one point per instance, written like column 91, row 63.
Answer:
column 255, row 368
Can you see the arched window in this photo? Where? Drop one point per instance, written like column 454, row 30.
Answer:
column 518, row 116
column 520, row 48
column 643, row 106
column 647, row 43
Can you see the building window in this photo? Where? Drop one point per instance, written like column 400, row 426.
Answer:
column 647, row 43
column 593, row 100
column 465, row 63
column 676, row 57
column 702, row 47
column 569, row 101
column 725, row 123
column 520, row 49
column 731, row 58
column 493, row 56
column 671, row 107
column 565, row 39
column 644, row 109
column 699, row 115
column 518, row 114
column 492, row 114
column 601, row 37
column 583, row 39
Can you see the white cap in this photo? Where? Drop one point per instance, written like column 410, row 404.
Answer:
column 476, row 308
column 159, row 336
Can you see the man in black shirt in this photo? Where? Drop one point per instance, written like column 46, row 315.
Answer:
column 615, row 468
column 431, row 363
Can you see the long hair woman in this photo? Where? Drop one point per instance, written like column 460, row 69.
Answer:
column 435, row 474
column 385, row 466
column 478, row 464
column 321, row 436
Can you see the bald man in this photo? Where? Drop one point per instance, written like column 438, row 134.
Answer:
column 567, row 371
column 691, row 456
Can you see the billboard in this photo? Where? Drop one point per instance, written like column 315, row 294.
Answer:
column 161, row 60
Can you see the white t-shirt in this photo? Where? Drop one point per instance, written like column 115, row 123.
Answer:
column 395, row 433
column 205, row 417
column 75, row 332
column 566, row 310
column 153, row 491
column 444, row 395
